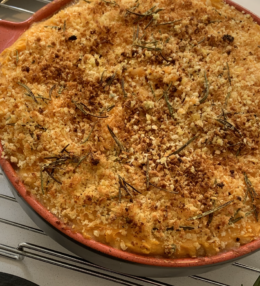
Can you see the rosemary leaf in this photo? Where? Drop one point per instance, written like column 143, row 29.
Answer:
column 119, row 144
column 51, row 90
column 227, row 98
column 61, row 89
column 207, row 90
column 50, row 174
column 229, row 126
column 211, row 211
column 169, row 23
column 30, row 93
column 168, row 61
column 80, row 161
column 89, row 133
column 124, row 186
column 64, row 25
column 53, row 27
column 110, row 2
column 131, row 186
column 152, row 89
column 82, row 107
column 150, row 22
column 101, row 78
column 251, row 191
column 148, row 48
column 64, row 149
column 110, row 80
column 123, row 87
column 184, row 146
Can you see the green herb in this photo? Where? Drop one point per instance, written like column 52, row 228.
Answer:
column 64, row 25
column 211, row 211
column 123, row 185
column 165, row 94
column 53, row 27
column 168, row 61
column 119, row 144
column 229, row 126
column 207, row 89
column 251, row 191
column 30, row 93
column 152, row 89
column 41, row 97
column 169, row 23
column 235, row 219
column 186, row 227
column 64, row 149
column 229, row 78
column 17, row 57
column 81, row 106
column 148, row 48
column 123, row 87
column 184, row 146
column 101, row 78
column 51, row 90
column 134, row 189
column 227, row 98
column 110, row 80
column 89, row 133
column 162, row 189
column 50, row 174
column 110, row 108
column 217, row 11
column 80, row 161
column 149, row 12
column 255, row 213
column 147, row 173
column 87, row 1
column 211, row 215
column 150, row 22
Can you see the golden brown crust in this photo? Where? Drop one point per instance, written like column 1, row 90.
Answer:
column 132, row 133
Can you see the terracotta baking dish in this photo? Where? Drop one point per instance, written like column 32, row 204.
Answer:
column 89, row 249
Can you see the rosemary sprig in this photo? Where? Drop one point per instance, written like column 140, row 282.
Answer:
column 165, row 94
column 229, row 126
column 211, row 211
column 51, row 90
column 211, row 215
column 162, row 189
column 89, row 133
column 147, row 174
column 50, row 174
column 17, row 57
column 53, row 27
column 118, row 142
column 169, row 23
column 235, row 219
column 80, row 161
column 152, row 89
column 30, row 93
column 149, row 12
column 150, row 22
column 184, row 146
column 133, row 188
column 81, row 106
column 123, row 185
column 64, row 25
column 101, row 78
column 227, row 98
column 110, row 80
column 229, row 78
column 250, row 190
column 157, row 49
column 123, row 87
column 207, row 90
column 65, row 149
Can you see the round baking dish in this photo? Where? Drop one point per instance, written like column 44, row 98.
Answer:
column 89, row 249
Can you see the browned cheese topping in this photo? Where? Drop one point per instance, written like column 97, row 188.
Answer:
column 136, row 123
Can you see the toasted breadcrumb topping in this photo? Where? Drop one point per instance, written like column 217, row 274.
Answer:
column 137, row 123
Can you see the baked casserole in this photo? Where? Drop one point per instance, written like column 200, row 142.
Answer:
column 137, row 123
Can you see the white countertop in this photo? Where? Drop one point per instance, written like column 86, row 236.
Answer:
column 45, row 274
